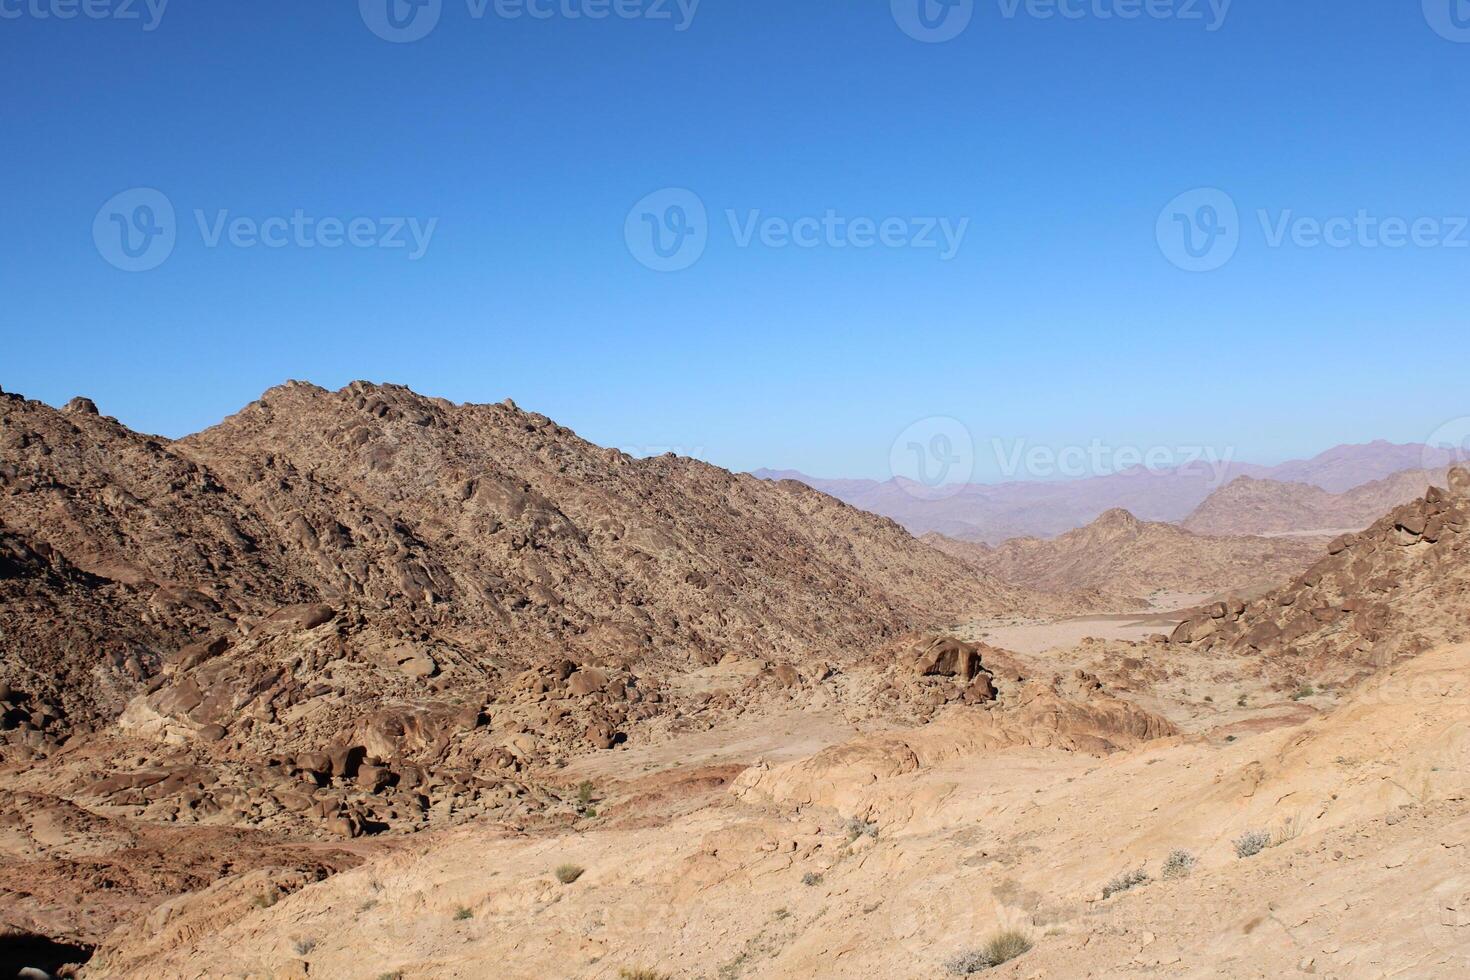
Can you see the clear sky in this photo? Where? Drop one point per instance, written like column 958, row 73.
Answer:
column 1058, row 312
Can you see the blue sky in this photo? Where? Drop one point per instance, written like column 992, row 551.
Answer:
column 527, row 142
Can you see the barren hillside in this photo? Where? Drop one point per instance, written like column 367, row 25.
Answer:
column 366, row 613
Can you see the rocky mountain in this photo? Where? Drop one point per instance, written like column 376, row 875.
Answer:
column 1342, row 468
column 1253, row 506
column 481, row 519
column 368, row 612
column 1124, row 555
column 992, row 513
column 1391, row 591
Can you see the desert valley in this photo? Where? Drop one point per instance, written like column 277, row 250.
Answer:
column 368, row 684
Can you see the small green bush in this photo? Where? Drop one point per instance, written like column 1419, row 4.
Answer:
column 811, row 878
column 463, row 913
column 568, row 873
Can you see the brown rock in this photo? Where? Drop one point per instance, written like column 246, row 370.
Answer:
column 949, row 658
column 346, row 760
column 588, row 680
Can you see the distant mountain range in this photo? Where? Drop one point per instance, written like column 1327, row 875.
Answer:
column 996, row 512
column 1119, row 554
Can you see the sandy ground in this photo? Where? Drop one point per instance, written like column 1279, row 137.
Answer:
column 1366, row 805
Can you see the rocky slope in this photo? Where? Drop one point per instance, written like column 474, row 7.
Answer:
column 1391, row 591
column 1119, row 553
column 350, row 615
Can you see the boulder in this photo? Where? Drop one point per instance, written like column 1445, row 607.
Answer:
column 304, row 616
column 346, row 760
column 949, row 658
column 601, row 736
column 588, row 680
column 1413, row 521
column 81, row 406
column 373, row 779
column 981, row 690
column 1263, row 634
column 1459, row 481
column 195, row 654
column 786, row 676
